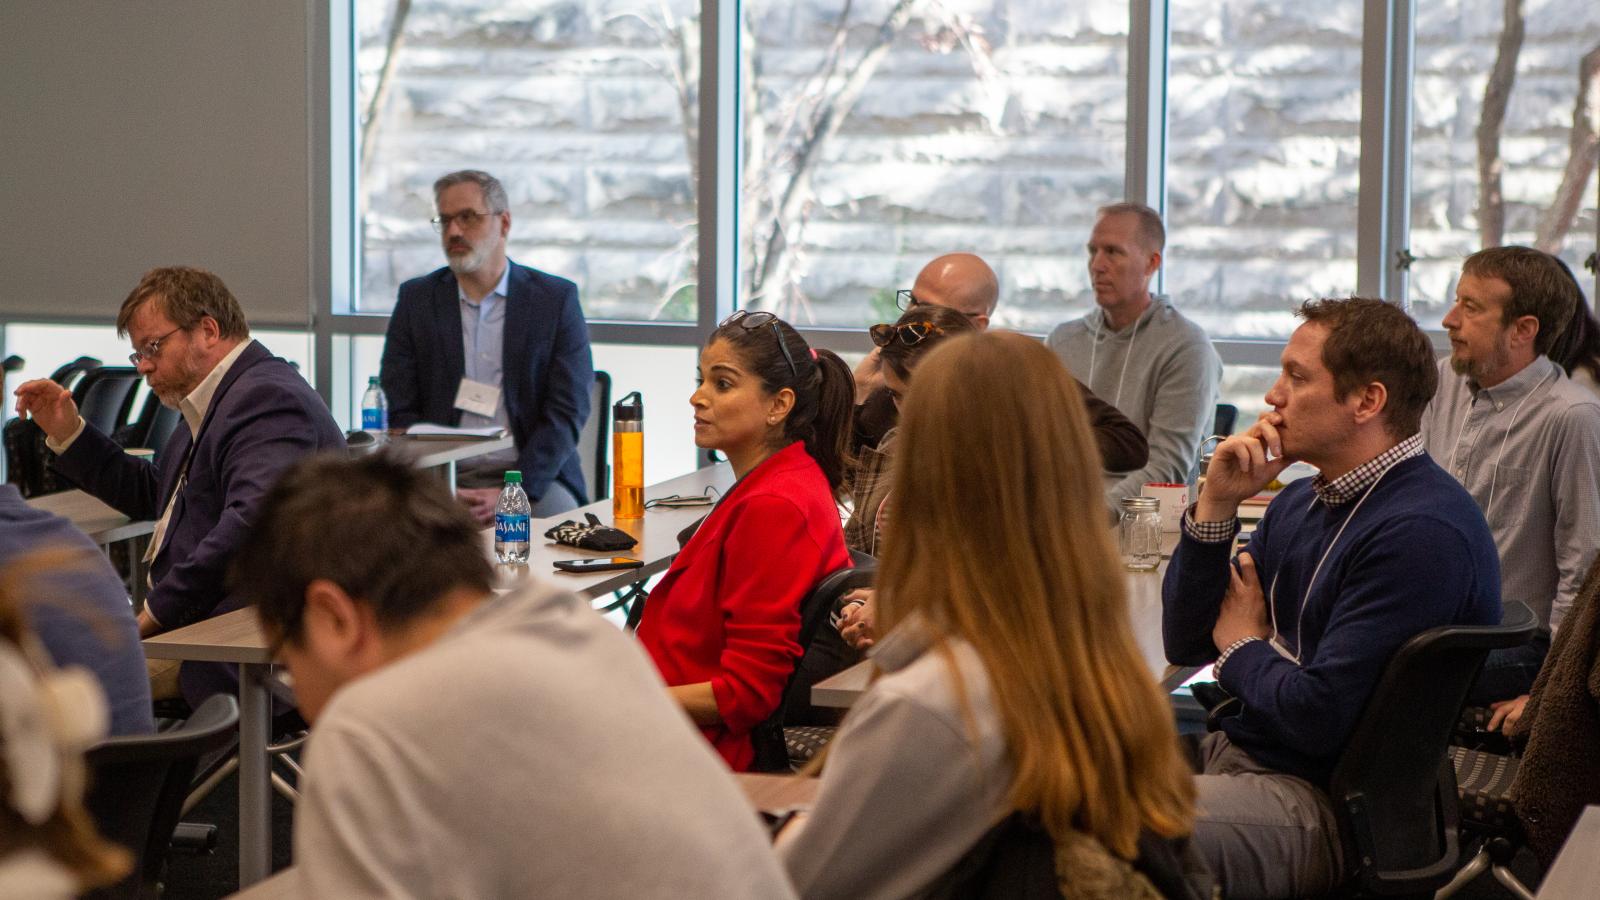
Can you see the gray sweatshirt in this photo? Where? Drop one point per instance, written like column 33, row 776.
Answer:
column 529, row 752
column 1161, row 372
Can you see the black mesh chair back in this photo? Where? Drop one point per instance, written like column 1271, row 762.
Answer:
column 824, row 654
column 1227, row 414
column 138, row 784
column 594, row 439
column 105, row 397
column 1394, row 788
column 27, row 457
column 152, row 428
column 67, row 374
column 771, row 754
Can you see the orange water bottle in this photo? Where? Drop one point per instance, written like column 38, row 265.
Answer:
column 627, row 457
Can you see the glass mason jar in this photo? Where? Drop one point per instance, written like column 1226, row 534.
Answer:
column 1139, row 533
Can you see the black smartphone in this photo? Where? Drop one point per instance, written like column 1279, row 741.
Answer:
column 598, row 565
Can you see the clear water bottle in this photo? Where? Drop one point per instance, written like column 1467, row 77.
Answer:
column 512, row 515
column 375, row 410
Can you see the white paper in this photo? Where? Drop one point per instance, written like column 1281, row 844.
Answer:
column 428, row 429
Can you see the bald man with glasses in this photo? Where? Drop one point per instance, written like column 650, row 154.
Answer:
column 965, row 283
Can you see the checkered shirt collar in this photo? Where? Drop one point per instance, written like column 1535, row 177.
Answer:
column 1353, row 483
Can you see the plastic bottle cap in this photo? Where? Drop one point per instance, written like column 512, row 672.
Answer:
column 513, row 477
column 628, row 409
column 372, row 381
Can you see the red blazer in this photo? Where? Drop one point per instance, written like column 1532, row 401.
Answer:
column 728, row 609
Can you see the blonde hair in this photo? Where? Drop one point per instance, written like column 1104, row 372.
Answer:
column 68, row 836
column 1000, row 539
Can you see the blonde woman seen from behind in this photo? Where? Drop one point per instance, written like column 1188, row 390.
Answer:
column 1010, row 676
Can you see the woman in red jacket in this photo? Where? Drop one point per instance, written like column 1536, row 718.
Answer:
column 723, row 624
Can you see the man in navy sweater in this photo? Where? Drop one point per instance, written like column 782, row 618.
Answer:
column 1343, row 569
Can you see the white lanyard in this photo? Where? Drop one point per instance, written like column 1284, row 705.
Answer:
column 1494, row 473
column 1094, row 350
column 1272, row 593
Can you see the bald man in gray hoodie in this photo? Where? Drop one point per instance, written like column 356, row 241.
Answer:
column 1139, row 353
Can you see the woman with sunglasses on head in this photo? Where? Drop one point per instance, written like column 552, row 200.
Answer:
column 1010, row 678
column 900, row 347
column 723, row 624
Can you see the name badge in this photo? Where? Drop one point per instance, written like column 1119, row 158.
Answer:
column 477, row 398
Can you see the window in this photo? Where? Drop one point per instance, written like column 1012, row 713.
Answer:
column 1457, row 48
column 1263, row 161
column 585, row 112
column 876, row 136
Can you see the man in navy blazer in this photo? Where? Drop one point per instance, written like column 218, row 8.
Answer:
column 249, row 416
column 484, row 341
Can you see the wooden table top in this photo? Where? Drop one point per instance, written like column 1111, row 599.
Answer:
column 425, row 453
column 236, row 636
column 1576, row 870
column 1144, row 614
column 773, row 792
column 100, row 522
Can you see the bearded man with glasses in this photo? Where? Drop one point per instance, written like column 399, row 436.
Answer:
column 486, row 342
column 250, row 416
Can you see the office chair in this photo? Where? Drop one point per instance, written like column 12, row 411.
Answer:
column 769, row 737
column 138, row 784
column 1394, row 787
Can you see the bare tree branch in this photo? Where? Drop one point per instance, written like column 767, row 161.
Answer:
column 1583, row 156
column 1496, row 96
column 380, row 94
column 828, row 114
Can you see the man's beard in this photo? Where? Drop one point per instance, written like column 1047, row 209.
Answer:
column 1481, row 369
column 469, row 262
column 182, row 383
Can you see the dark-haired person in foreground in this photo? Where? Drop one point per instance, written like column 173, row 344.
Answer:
column 248, row 416
column 1343, row 569
column 468, row 745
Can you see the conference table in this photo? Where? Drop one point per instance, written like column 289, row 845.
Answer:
column 1576, row 871
column 236, row 637
column 1144, row 615
column 104, row 525
column 439, row 452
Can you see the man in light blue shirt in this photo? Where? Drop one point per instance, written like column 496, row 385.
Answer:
column 486, row 342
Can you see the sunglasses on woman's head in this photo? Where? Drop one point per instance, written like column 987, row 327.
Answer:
column 750, row 321
column 910, row 334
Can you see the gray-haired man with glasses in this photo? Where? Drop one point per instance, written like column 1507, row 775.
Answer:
column 484, row 341
column 248, row 416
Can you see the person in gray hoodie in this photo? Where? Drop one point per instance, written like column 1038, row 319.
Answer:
column 1138, row 352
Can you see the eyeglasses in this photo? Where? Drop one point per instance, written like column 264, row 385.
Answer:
column 904, row 299
column 681, row 501
column 753, row 320
column 469, row 220
column 152, row 348
column 910, row 334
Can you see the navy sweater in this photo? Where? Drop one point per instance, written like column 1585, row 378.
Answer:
column 81, row 613
column 1417, row 554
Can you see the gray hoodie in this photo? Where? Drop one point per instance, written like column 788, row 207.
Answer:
column 1161, row 372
